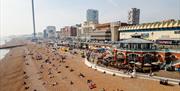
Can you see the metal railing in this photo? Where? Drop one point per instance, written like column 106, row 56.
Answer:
column 120, row 73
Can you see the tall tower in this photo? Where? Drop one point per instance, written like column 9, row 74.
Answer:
column 92, row 16
column 34, row 25
column 134, row 16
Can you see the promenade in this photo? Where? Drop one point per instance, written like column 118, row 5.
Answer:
column 122, row 74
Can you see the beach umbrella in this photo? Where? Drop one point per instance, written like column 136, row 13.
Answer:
column 155, row 63
column 175, row 63
column 138, row 63
column 131, row 62
column 147, row 64
column 108, row 48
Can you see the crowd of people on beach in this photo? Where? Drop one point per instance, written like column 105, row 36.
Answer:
column 51, row 62
column 48, row 66
column 45, row 61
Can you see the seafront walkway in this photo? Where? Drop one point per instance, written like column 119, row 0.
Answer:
column 122, row 74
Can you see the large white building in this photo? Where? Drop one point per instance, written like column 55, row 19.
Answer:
column 86, row 29
column 92, row 16
column 134, row 16
column 164, row 30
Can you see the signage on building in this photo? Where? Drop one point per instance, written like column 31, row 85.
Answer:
column 168, row 42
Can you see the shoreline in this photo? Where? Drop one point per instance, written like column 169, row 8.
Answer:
column 2, row 54
column 10, row 45
column 3, row 42
column 11, row 68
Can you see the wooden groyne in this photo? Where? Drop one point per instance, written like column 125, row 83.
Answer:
column 11, row 46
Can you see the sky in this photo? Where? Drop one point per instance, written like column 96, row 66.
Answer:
column 16, row 15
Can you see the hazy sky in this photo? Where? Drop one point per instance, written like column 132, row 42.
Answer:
column 16, row 16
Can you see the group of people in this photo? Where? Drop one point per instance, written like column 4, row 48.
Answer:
column 45, row 62
column 91, row 55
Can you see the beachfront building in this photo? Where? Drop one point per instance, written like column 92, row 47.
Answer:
column 79, row 31
column 136, row 50
column 86, row 28
column 101, row 33
column 58, row 34
column 68, row 32
column 152, row 31
column 134, row 16
column 144, row 54
column 106, row 31
column 45, row 35
column 163, row 34
column 50, row 32
column 166, row 34
column 92, row 15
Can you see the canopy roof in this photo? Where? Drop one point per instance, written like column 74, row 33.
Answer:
column 153, row 25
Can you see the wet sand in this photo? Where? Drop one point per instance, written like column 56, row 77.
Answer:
column 11, row 71
column 62, row 76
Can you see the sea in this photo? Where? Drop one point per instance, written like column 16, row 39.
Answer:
column 3, row 52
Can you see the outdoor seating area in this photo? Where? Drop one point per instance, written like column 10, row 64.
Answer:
column 125, row 60
column 130, row 54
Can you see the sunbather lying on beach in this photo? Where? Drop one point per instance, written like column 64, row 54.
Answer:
column 81, row 75
column 91, row 84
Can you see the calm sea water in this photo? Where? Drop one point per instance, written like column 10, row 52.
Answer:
column 3, row 52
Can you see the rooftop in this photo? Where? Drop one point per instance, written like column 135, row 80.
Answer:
column 154, row 25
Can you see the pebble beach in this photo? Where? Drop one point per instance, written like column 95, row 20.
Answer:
column 21, row 70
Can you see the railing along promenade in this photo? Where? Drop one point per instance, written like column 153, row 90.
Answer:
column 122, row 74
